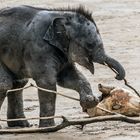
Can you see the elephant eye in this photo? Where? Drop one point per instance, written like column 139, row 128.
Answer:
column 90, row 46
column 68, row 23
column 88, row 23
column 89, row 33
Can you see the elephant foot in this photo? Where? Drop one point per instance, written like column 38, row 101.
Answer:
column 23, row 123
column 46, row 123
column 88, row 101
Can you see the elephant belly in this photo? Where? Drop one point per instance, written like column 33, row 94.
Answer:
column 12, row 58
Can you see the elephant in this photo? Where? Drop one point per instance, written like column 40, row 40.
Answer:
column 44, row 44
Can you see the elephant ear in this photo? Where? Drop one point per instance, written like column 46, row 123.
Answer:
column 56, row 34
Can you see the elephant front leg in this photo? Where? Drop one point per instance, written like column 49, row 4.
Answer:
column 47, row 104
column 15, row 106
column 71, row 78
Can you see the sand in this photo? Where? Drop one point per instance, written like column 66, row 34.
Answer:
column 119, row 25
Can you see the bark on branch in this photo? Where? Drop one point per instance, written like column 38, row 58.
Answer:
column 39, row 88
column 66, row 123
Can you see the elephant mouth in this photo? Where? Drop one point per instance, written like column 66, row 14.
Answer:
column 87, row 63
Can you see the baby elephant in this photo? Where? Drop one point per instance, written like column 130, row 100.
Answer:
column 117, row 100
column 44, row 44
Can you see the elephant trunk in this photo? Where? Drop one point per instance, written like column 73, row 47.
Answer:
column 102, row 58
column 117, row 66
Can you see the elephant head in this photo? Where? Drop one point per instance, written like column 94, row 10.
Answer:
column 76, row 35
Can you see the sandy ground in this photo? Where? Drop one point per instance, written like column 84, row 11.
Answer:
column 119, row 25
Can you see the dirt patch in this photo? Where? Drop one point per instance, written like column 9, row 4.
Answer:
column 119, row 25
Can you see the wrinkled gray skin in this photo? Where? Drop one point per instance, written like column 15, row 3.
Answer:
column 43, row 45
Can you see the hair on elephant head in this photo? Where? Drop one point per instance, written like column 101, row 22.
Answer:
column 76, row 33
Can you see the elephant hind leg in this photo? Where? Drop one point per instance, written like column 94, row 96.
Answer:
column 5, row 83
column 15, row 106
column 15, row 102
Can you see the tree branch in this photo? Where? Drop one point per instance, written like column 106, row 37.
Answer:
column 50, row 91
column 66, row 123
column 125, row 81
column 43, row 89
